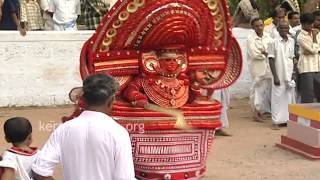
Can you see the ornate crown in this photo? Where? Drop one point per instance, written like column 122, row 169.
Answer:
column 134, row 27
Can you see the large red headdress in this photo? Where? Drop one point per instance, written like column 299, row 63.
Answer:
column 134, row 27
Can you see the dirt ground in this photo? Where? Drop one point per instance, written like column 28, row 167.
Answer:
column 250, row 154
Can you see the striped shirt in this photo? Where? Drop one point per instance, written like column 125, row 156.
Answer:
column 309, row 57
column 31, row 14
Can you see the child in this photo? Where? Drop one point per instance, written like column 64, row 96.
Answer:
column 17, row 160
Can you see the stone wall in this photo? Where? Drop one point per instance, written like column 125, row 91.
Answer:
column 42, row 67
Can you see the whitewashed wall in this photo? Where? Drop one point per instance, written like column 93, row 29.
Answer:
column 240, row 89
column 41, row 68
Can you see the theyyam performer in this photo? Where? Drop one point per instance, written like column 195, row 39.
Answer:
column 168, row 57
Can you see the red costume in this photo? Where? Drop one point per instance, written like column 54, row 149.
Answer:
column 163, row 80
column 172, row 53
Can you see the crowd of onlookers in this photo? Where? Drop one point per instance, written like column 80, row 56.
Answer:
column 58, row 15
column 284, row 62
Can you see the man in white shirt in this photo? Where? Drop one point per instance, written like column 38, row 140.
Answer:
column 294, row 23
column 260, row 93
column 281, row 54
column 91, row 146
column 65, row 14
column 308, row 65
column 277, row 15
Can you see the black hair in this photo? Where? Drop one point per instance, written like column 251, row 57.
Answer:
column 255, row 20
column 17, row 129
column 276, row 11
column 99, row 88
column 292, row 13
column 273, row 14
column 316, row 13
column 307, row 18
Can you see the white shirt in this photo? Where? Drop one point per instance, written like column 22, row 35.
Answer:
column 283, row 53
column 44, row 4
column 20, row 161
column 308, row 62
column 91, row 146
column 293, row 30
column 271, row 29
column 65, row 11
column 258, row 62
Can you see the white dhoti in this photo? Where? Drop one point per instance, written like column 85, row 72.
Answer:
column 260, row 95
column 281, row 51
column 281, row 96
column 223, row 96
column 70, row 26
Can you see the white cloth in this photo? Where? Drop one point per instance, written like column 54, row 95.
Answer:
column 283, row 53
column 91, row 146
column 48, row 21
column 71, row 26
column 20, row 163
column 111, row 2
column 293, row 30
column 260, row 95
column 271, row 29
column 64, row 11
column 258, row 62
column 281, row 97
column 223, row 96
column 260, row 91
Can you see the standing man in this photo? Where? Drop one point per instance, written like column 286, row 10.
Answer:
column 281, row 54
column 277, row 15
column 65, row 14
column 308, row 64
column 260, row 93
column 93, row 145
column 294, row 23
column 94, row 11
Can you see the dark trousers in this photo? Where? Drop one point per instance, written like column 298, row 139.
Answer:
column 306, row 86
column 317, row 90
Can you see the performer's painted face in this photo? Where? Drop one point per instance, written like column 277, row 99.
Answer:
column 169, row 64
column 203, row 77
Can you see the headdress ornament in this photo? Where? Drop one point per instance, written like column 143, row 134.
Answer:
column 134, row 27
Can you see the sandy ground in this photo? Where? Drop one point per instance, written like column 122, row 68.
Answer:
column 250, row 154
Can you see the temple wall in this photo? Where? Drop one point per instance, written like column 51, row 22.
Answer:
column 41, row 68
